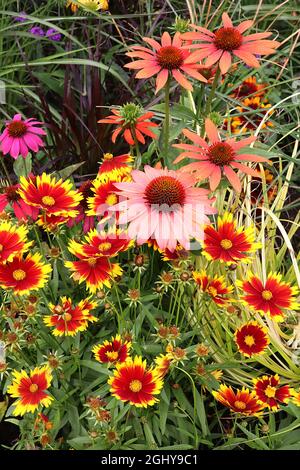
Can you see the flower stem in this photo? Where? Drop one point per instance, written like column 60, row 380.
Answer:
column 5, row 170
column 212, row 93
column 167, row 121
column 138, row 159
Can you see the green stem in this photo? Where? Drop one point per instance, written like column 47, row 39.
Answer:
column 167, row 120
column 212, row 93
column 5, row 170
column 138, row 159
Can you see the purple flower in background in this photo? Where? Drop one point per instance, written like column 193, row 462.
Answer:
column 37, row 31
column 21, row 18
column 53, row 34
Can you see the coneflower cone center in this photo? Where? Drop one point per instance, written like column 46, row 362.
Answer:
column 228, row 39
column 170, row 57
column 220, row 153
column 12, row 194
column 165, row 190
column 16, row 129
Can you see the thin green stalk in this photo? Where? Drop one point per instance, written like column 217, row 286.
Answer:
column 5, row 170
column 212, row 93
column 167, row 121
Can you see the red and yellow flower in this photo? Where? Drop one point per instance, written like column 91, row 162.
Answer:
column 101, row 243
column 240, row 401
column 13, row 241
column 295, row 397
column 105, row 193
column 133, row 382
column 67, row 319
column 269, row 392
column 51, row 222
column 24, row 275
column 251, row 338
column 114, row 351
column 215, row 287
column 273, row 297
column 250, row 116
column 30, row 390
column 248, row 87
column 132, row 123
column 55, row 197
column 95, row 272
column 163, row 363
column 119, row 164
column 228, row 243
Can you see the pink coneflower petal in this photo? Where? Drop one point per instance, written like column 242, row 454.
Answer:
column 246, row 169
column 166, row 39
column 247, row 57
column 233, row 178
column 251, row 158
column 225, row 62
column 215, row 178
column 211, row 131
column 152, row 43
column 213, row 58
column 161, row 79
column 141, row 64
column 147, row 73
column 179, row 77
column 243, row 143
column 226, row 21
column 204, row 30
column 246, row 25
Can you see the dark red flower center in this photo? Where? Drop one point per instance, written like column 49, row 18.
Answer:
column 165, row 190
column 221, row 153
column 228, row 39
column 170, row 57
column 17, row 128
column 12, row 194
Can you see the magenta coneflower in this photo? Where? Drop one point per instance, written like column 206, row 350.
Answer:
column 20, row 136
column 164, row 205
column 217, row 157
column 229, row 41
column 168, row 59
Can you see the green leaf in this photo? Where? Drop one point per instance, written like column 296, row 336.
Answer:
column 23, row 166
column 69, row 170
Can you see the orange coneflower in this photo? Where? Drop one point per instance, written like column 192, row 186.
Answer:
column 133, row 382
column 228, row 243
column 169, row 58
column 229, row 41
column 272, row 297
column 251, row 338
column 30, row 390
column 217, row 157
column 269, row 392
column 132, row 123
column 241, row 401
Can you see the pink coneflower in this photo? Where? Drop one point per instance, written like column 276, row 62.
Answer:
column 217, row 157
column 229, row 41
column 20, row 136
column 164, row 205
column 10, row 195
column 168, row 58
